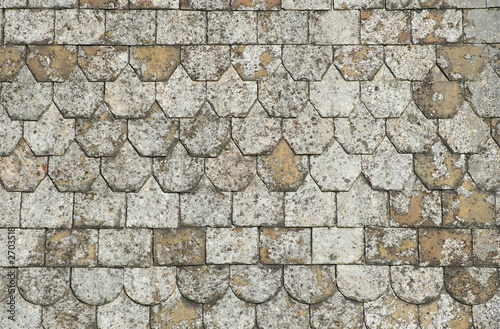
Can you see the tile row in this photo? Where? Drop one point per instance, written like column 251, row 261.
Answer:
column 172, row 27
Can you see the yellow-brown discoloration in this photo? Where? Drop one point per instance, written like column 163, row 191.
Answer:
column 445, row 313
column 51, row 63
column 155, row 63
column 426, row 170
column 257, row 4
column 179, row 246
column 390, row 249
column 100, row 3
column 71, row 248
column 265, row 60
column 142, row 4
column 495, row 125
column 445, row 247
column 102, row 62
column 11, row 62
column 413, row 217
column 394, row 313
column 184, row 314
column 471, row 285
column 463, row 61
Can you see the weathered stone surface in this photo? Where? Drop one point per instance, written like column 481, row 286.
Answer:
column 360, row 133
column 255, row 283
column 100, row 207
column 305, row 5
column 12, row 59
column 43, row 286
column 28, row 315
column 362, row 283
column 10, row 133
column 234, row 27
column 125, row 247
column 361, row 206
column 391, row 246
column 281, row 96
column 77, row 97
column 155, row 63
column 151, row 207
column 439, row 168
column 203, row 62
column 332, row 245
column 337, row 312
column 356, row 4
column 282, row 27
column 149, row 286
column 471, row 285
column 127, row 171
column 461, row 61
column 29, row 248
column 256, row 5
column 385, row 27
column 385, row 96
column 388, row 311
column 257, row 133
column 495, row 130
column 334, row 27
column 230, row 96
column 430, row 26
column 71, row 248
column 130, row 27
column 155, row 135
column 445, row 312
column 282, row 311
column 182, row 246
column 176, row 312
column 203, row 284
column 307, row 63
column 69, row 313
column 29, row 26
column 256, row 206
column 206, row 206
column 358, row 62
column 206, row 134
column 310, row 284
column 123, row 313
column 10, row 207
column 282, row 170
column 445, row 247
column 417, row 285
column 488, row 314
column 410, row 62
column 232, row 245
column 180, row 96
column 486, row 249
column 242, row 315
column 205, row 4
column 104, row 4
column 308, row 133
column 285, row 245
column 255, row 62
column 75, row 26
column 484, row 94
column 102, row 63
column 178, row 171
column 51, row 63
column 97, row 286
column 481, row 25
column 181, row 27
column 46, row 207
column 24, row 98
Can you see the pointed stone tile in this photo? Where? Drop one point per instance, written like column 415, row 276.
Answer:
column 69, row 313
column 360, row 133
column 307, row 63
column 417, row 285
column 466, row 132
column 77, row 97
column 384, row 96
column 12, row 60
column 445, row 312
column 257, row 133
column 281, row 96
column 128, row 96
column 471, row 285
column 461, row 61
column 333, row 96
column 232, row 245
column 487, row 315
column 231, row 171
column 151, row 207
column 255, row 283
column 386, row 168
column 359, row 62
column 412, row 132
column 436, row 96
column 180, row 96
column 51, row 63
column 51, row 134
column 155, row 135
column 484, row 94
column 43, row 286
column 177, row 312
column 256, row 206
column 242, row 315
column 231, row 96
column 127, row 171
column 361, row 206
column 410, row 62
column 206, row 206
column 149, row 286
column 102, row 134
column 335, row 170
column 28, row 315
column 10, row 133
column 102, row 63
column 10, row 207
column 178, row 171
column 484, row 167
column 309, row 284
column 415, row 205
column 255, row 62
column 438, row 168
column 206, row 134
column 73, row 171
column 99, row 207
column 46, row 207
column 179, row 246
column 282, row 170
column 308, row 133
column 96, row 286
column 123, row 313
column 24, row 98
column 388, row 311
column 309, row 206
column 282, row 311
column 285, row 245
column 203, row 62
column 337, row 312
column 155, row 63
column 362, row 283
column 391, row 246
column 71, row 247
column 22, row 170
column 203, row 284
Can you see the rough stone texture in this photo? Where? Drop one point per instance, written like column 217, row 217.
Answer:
column 389, row 311
column 10, row 206
column 337, row 312
column 391, row 246
column 125, row 247
column 203, row 284
column 282, row 311
column 445, row 247
column 97, row 286
column 12, row 61
column 410, row 62
column 176, row 312
column 487, row 315
column 417, row 285
column 255, row 283
column 461, row 61
column 237, row 27
column 430, row 26
column 43, row 286
column 334, row 27
column 51, row 63
column 181, row 27
column 337, row 245
column 242, row 314
column 75, row 26
column 29, row 26
column 307, row 63
column 483, row 94
column 486, row 247
column 356, row 4
column 71, row 248
column 182, row 246
column 205, row 62
column 358, row 62
column 130, row 27
column 385, row 27
column 155, row 63
column 149, row 286
column 10, row 133
column 481, row 25
column 255, row 62
column 30, row 245
column 232, row 245
column 123, row 313
column 102, row 63
column 282, row 27
column 285, row 245
column 362, row 283
column 69, row 313
column 445, row 312
column 309, row 284
column 472, row 285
